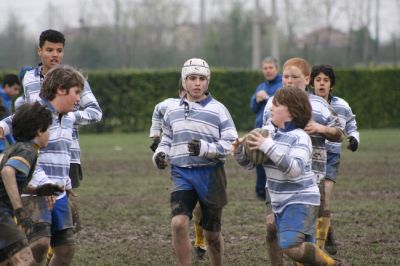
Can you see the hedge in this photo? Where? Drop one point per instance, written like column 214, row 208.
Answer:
column 128, row 97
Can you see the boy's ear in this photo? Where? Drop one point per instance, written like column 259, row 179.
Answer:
column 61, row 91
column 307, row 78
column 38, row 133
column 39, row 51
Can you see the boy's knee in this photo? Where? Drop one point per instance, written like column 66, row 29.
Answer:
column 179, row 223
column 39, row 248
column 22, row 257
column 211, row 236
column 294, row 252
column 65, row 251
column 271, row 232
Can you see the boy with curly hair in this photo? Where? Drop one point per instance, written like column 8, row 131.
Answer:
column 31, row 130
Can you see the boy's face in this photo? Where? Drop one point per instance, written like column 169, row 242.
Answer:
column 280, row 114
column 51, row 54
column 12, row 90
column 196, row 87
column 42, row 138
column 322, row 85
column 69, row 99
column 269, row 71
column 292, row 77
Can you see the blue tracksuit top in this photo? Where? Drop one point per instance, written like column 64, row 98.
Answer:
column 270, row 87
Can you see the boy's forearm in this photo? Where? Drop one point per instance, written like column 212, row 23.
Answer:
column 333, row 134
column 10, row 184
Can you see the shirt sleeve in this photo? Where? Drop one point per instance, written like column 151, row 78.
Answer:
column 293, row 161
column 39, row 177
column 20, row 164
column 90, row 109
column 351, row 126
column 22, row 159
column 166, row 139
column 6, row 125
column 221, row 148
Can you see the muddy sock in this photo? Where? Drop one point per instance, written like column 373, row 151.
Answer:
column 199, row 240
column 315, row 256
column 49, row 255
column 323, row 224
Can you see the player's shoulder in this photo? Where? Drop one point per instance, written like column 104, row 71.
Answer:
column 299, row 132
column 317, row 99
column 217, row 106
column 301, row 136
column 339, row 101
column 169, row 103
column 319, row 104
column 24, row 150
column 31, row 76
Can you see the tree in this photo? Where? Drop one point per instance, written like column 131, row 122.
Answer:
column 16, row 50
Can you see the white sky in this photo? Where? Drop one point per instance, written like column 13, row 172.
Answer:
column 35, row 16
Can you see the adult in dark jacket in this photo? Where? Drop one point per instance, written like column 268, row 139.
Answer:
column 266, row 89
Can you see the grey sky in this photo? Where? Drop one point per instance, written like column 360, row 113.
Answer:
column 35, row 16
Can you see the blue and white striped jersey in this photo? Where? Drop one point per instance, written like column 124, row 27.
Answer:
column 208, row 121
column 290, row 179
column 323, row 114
column 158, row 115
column 344, row 112
column 90, row 113
column 54, row 160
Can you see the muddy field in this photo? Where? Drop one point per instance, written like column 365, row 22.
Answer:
column 125, row 205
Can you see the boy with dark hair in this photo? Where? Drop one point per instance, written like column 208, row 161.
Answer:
column 323, row 80
column 11, row 87
column 51, row 53
column 51, row 36
column 60, row 93
column 30, row 124
column 9, row 90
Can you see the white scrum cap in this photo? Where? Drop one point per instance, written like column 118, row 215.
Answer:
column 195, row 66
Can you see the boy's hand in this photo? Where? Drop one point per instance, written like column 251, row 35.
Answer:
column 50, row 200
column 154, row 145
column 161, row 160
column 237, row 146
column 313, row 128
column 23, row 220
column 261, row 96
column 71, row 193
column 1, row 133
column 48, row 190
column 194, row 147
column 353, row 144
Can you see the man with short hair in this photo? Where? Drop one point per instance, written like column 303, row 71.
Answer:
column 266, row 89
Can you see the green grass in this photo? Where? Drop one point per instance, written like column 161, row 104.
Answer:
column 126, row 214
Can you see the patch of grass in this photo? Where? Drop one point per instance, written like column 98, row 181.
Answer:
column 125, row 207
